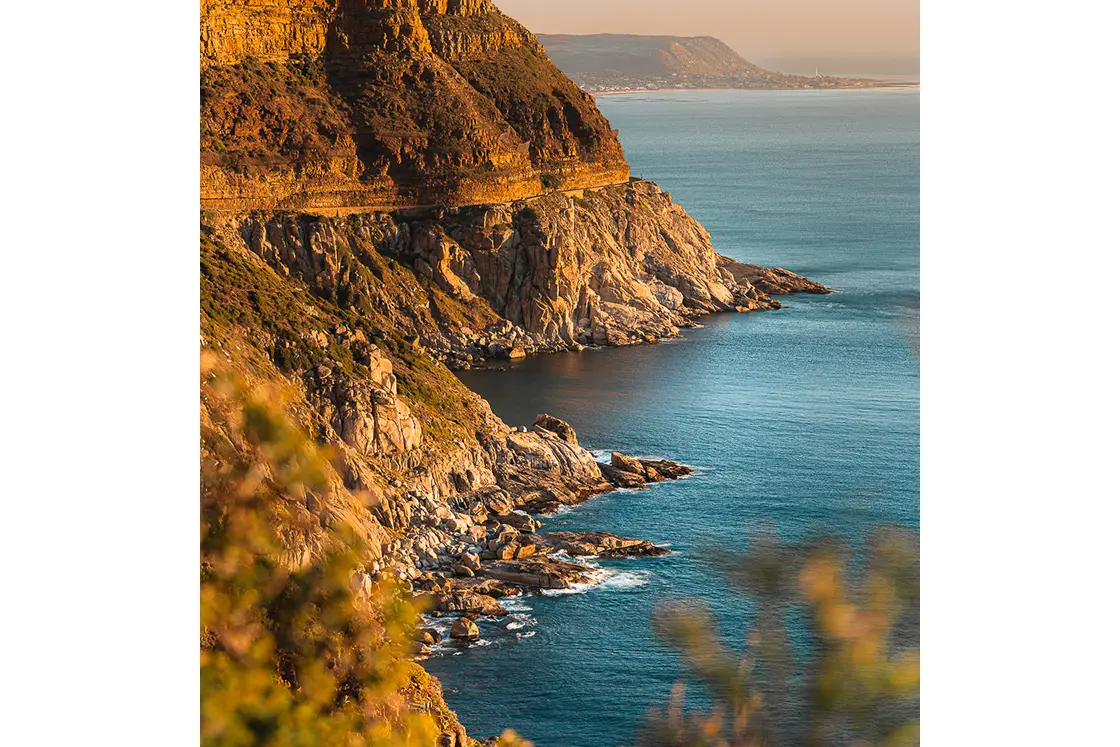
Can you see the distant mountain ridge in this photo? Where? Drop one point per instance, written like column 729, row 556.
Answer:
column 633, row 54
column 601, row 62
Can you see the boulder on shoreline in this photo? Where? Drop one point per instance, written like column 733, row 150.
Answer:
column 464, row 629
column 468, row 602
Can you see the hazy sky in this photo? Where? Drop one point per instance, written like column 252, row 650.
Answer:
column 757, row 29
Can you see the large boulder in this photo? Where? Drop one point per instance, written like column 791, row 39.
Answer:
column 468, row 602
column 464, row 629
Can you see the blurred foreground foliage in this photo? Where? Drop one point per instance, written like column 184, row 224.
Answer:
column 860, row 684
column 289, row 657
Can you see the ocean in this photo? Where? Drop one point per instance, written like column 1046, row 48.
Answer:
column 803, row 420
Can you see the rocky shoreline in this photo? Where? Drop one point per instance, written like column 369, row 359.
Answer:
column 465, row 561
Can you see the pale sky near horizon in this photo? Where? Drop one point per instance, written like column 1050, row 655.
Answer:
column 754, row 28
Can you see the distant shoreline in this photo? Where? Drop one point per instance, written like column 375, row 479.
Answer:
column 627, row 92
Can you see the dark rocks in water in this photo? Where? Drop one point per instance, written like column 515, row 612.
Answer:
column 599, row 544
column 555, row 425
column 625, row 471
column 663, row 469
column 644, row 550
column 541, row 573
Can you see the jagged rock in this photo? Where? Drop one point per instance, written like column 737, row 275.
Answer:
column 464, row 629
column 650, row 470
column 775, row 281
column 557, row 426
column 663, row 469
column 488, row 586
column 540, row 573
column 621, row 478
column 627, row 464
column 600, row 544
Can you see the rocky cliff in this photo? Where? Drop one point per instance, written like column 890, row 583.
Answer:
column 341, row 105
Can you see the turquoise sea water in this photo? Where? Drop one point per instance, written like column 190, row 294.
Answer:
column 803, row 419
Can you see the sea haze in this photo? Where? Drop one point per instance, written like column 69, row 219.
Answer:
column 803, row 419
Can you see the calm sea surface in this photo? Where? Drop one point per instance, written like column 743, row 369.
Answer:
column 803, row 419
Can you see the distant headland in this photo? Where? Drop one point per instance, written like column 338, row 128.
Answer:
column 608, row 63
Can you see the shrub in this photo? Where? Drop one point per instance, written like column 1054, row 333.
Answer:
column 861, row 681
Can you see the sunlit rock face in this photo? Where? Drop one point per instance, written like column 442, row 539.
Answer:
column 341, row 105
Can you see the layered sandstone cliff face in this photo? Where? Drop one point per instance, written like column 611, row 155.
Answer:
column 335, row 105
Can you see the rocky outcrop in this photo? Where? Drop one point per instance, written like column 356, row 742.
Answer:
column 774, row 281
column 366, row 413
column 557, row 427
column 598, row 544
column 629, row 472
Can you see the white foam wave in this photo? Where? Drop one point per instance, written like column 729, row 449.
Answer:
column 623, row 580
column 515, row 604
column 573, row 589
